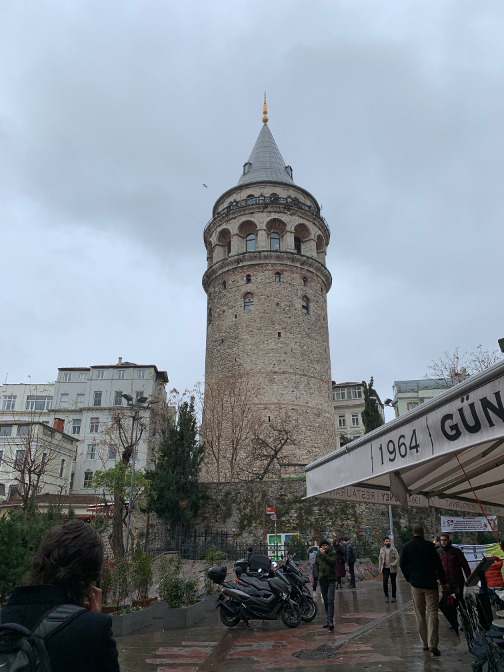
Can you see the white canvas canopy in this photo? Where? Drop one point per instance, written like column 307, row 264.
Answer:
column 413, row 460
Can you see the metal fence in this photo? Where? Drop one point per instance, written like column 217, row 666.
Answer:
column 191, row 544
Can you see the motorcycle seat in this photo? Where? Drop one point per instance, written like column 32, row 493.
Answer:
column 258, row 584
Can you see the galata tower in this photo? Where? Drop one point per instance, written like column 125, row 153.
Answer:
column 267, row 286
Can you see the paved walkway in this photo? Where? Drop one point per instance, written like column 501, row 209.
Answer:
column 368, row 635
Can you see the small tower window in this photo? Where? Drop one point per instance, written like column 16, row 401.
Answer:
column 223, row 284
column 248, row 302
column 305, row 305
column 251, row 242
column 229, row 248
column 305, row 282
column 277, row 277
column 250, row 199
column 297, row 244
column 274, row 241
column 274, row 197
column 248, row 279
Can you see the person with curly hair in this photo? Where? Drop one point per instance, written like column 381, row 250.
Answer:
column 66, row 564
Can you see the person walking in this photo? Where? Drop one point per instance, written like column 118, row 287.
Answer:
column 455, row 565
column 312, row 554
column 340, row 549
column 350, row 558
column 389, row 559
column 325, row 566
column 422, row 568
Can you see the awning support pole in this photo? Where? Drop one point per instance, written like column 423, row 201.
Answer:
column 391, row 525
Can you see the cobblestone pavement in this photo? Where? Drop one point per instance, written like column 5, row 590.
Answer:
column 369, row 635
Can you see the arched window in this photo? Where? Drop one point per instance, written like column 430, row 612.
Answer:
column 297, row 244
column 251, row 242
column 277, row 277
column 248, row 278
column 250, row 199
column 305, row 282
column 248, row 302
column 274, row 197
column 305, row 305
column 224, row 284
column 274, row 241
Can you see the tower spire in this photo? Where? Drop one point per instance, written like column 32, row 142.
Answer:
column 265, row 111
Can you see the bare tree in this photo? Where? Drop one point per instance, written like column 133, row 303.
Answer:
column 453, row 368
column 270, row 443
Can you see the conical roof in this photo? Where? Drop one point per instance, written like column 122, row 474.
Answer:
column 265, row 162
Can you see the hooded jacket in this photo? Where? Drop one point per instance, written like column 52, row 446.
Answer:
column 455, row 564
column 325, row 565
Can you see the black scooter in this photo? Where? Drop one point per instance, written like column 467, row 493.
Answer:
column 265, row 601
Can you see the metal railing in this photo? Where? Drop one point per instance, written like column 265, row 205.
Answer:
column 274, row 203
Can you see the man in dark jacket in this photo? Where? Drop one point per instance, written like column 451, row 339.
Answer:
column 351, row 558
column 325, row 572
column 422, row 567
column 455, row 565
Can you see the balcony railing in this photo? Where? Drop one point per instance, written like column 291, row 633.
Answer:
column 273, row 203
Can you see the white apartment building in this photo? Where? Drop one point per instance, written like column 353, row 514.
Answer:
column 408, row 394
column 84, row 399
column 348, row 403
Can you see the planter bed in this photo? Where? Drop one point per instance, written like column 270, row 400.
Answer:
column 160, row 616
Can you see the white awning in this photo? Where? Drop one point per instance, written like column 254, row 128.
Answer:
column 412, row 460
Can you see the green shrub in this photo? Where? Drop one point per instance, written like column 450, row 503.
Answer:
column 141, row 573
column 191, row 591
column 212, row 557
column 121, row 580
column 485, row 538
column 171, row 584
column 296, row 545
column 406, row 534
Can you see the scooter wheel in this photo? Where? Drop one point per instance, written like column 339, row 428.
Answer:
column 290, row 615
column 308, row 609
column 228, row 620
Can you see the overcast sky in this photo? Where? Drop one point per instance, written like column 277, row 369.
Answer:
column 113, row 115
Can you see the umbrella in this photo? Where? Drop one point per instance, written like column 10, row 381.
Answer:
column 448, row 605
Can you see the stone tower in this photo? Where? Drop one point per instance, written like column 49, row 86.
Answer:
column 267, row 286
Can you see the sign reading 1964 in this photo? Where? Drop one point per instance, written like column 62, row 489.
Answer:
column 394, row 450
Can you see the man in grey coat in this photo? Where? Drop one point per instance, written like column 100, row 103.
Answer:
column 389, row 560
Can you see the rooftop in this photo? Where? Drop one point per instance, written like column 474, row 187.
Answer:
column 402, row 386
column 265, row 162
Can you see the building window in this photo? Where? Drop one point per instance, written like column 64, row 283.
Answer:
column 112, row 451
column 228, row 249
column 355, row 419
column 118, row 398
column 72, row 478
column 356, row 392
column 138, row 395
column 94, row 426
column 274, row 241
column 63, row 401
column 224, row 284
column 88, row 477
column 24, row 430
column 341, row 421
column 1, row 458
column 120, row 374
column 251, row 242
column 80, row 401
column 250, row 197
column 277, row 277
column 339, row 394
column 297, row 244
column 305, row 305
column 6, row 430
column 274, row 197
column 141, row 373
column 305, row 282
column 412, row 404
column 43, row 460
column 67, row 377
column 248, row 279
column 83, row 377
column 100, row 375
column 91, row 451
column 47, row 432
column 97, row 398
column 20, row 458
column 13, row 491
column 9, row 402
column 76, row 425
column 62, row 468
column 38, row 403
column 248, row 302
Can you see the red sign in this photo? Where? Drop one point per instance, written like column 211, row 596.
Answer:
column 273, row 517
column 270, row 510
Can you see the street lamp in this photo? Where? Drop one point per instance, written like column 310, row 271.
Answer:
column 388, row 402
column 140, row 405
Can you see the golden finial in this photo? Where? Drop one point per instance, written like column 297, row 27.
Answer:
column 265, row 111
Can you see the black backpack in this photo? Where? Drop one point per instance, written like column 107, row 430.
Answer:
column 22, row 650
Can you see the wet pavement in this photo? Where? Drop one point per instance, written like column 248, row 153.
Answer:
column 368, row 635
